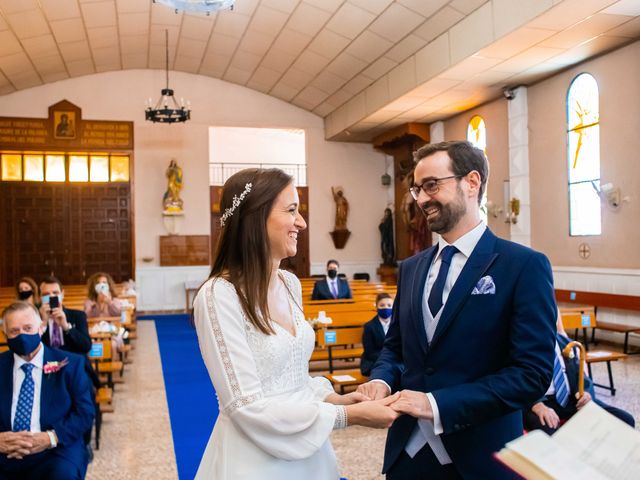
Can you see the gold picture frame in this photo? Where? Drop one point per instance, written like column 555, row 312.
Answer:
column 64, row 125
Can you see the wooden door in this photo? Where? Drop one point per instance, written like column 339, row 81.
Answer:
column 70, row 231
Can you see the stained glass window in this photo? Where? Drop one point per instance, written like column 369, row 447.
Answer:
column 583, row 131
column 11, row 166
column 119, row 169
column 99, row 169
column 34, row 168
column 55, row 168
column 477, row 135
column 78, row 168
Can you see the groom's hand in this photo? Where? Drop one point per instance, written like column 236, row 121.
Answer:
column 374, row 390
column 413, row 403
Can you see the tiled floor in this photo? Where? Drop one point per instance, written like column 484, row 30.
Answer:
column 137, row 442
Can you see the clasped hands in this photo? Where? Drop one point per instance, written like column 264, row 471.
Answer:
column 18, row 445
column 372, row 406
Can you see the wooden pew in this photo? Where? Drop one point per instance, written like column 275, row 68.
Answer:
column 339, row 343
column 579, row 318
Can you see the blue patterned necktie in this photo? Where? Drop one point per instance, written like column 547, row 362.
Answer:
column 22, row 419
column 435, row 296
column 560, row 382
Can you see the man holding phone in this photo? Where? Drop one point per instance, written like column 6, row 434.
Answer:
column 66, row 329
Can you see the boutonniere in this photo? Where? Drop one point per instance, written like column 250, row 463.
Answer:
column 54, row 367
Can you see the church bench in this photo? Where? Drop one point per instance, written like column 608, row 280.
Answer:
column 339, row 343
column 617, row 328
column 340, row 380
column 608, row 357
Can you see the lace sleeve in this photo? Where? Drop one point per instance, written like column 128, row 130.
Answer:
column 284, row 429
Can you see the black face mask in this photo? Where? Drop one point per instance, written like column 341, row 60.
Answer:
column 25, row 294
column 332, row 274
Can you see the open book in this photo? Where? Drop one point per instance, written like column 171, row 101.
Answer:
column 592, row 445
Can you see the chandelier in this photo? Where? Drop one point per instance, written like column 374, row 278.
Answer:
column 167, row 109
column 206, row 6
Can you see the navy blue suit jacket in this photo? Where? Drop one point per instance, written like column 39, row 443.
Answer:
column 66, row 404
column 372, row 342
column 321, row 290
column 491, row 355
column 76, row 340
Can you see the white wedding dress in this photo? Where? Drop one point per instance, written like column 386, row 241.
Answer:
column 273, row 424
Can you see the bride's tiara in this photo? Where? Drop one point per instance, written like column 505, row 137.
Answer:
column 236, row 202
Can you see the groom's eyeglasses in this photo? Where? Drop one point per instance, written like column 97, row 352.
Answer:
column 431, row 186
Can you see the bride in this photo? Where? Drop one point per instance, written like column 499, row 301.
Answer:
column 275, row 420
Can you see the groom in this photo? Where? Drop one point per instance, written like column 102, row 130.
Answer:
column 472, row 336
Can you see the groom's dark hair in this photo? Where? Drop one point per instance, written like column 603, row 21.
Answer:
column 464, row 158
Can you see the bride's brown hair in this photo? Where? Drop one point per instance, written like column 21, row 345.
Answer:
column 243, row 253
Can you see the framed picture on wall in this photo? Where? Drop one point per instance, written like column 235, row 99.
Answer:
column 64, row 124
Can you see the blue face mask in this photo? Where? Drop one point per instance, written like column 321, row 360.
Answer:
column 384, row 313
column 24, row 344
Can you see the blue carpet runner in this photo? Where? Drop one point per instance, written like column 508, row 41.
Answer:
column 193, row 407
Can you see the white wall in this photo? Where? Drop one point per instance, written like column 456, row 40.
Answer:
column 121, row 96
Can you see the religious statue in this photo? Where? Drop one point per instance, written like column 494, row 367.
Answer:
column 386, row 241
column 171, row 199
column 415, row 220
column 342, row 208
column 340, row 232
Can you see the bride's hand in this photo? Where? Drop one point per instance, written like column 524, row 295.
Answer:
column 374, row 414
column 347, row 399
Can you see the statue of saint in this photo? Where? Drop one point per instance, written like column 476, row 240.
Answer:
column 342, row 208
column 171, row 199
column 386, row 239
column 415, row 221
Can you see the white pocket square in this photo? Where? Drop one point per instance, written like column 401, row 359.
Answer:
column 485, row 286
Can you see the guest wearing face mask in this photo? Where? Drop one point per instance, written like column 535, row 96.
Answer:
column 100, row 300
column 27, row 291
column 66, row 329
column 374, row 332
column 332, row 287
column 45, row 403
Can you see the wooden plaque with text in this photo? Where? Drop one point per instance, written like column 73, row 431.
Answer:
column 184, row 250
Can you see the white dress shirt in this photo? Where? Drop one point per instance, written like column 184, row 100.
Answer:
column 428, row 431
column 18, row 378
column 385, row 324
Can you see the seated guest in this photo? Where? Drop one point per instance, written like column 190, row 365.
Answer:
column 45, row 403
column 66, row 329
column 561, row 400
column 374, row 332
column 100, row 300
column 27, row 290
column 332, row 287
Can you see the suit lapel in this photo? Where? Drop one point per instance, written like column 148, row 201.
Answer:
column 6, row 389
column 379, row 330
column 417, row 293
column 46, row 391
column 479, row 262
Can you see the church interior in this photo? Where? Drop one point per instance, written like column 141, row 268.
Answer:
column 121, row 120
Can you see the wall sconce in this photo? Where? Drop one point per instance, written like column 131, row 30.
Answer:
column 512, row 205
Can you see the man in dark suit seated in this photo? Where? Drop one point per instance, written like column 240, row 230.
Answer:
column 374, row 333
column 332, row 287
column 66, row 329
column 560, row 401
column 45, row 403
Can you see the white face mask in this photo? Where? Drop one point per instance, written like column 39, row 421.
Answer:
column 102, row 288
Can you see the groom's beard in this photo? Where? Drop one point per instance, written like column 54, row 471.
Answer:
column 449, row 214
